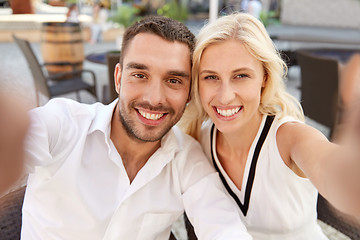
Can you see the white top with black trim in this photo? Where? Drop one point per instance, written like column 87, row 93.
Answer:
column 274, row 202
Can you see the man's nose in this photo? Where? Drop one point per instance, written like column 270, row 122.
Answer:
column 155, row 92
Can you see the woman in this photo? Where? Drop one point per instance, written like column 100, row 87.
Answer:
column 253, row 132
column 73, row 14
column 100, row 15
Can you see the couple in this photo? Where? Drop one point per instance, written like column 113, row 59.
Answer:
column 124, row 171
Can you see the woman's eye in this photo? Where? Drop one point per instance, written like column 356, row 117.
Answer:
column 210, row 77
column 242, row 75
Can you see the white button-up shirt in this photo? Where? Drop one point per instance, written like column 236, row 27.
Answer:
column 78, row 187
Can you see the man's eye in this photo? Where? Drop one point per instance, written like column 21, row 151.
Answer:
column 174, row 81
column 138, row 75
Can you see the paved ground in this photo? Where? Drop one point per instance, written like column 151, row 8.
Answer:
column 15, row 75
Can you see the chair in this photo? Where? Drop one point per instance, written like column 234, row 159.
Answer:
column 320, row 101
column 58, row 84
column 289, row 57
column 11, row 214
column 112, row 58
column 346, row 224
column 319, row 88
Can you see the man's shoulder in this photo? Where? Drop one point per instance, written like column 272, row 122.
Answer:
column 183, row 138
column 68, row 107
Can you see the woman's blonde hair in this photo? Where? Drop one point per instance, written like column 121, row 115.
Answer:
column 252, row 33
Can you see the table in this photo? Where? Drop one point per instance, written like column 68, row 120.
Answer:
column 101, row 57
column 340, row 55
column 109, row 58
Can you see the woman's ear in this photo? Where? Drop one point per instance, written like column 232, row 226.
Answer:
column 264, row 80
column 117, row 77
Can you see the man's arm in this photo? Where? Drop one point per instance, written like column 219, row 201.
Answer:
column 50, row 126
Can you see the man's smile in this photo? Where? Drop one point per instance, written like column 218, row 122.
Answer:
column 150, row 116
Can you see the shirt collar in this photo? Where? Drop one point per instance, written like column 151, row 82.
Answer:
column 172, row 140
column 102, row 119
column 102, row 122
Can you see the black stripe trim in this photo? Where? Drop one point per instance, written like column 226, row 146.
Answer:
column 244, row 207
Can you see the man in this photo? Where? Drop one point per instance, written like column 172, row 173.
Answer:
column 122, row 171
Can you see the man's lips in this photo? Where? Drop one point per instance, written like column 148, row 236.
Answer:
column 150, row 115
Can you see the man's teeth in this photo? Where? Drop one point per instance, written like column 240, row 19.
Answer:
column 151, row 116
column 228, row 112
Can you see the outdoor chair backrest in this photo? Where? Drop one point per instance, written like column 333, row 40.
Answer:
column 56, row 84
column 112, row 59
column 319, row 88
column 34, row 65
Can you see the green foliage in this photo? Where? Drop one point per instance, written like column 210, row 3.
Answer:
column 125, row 15
column 69, row 2
column 269, row 18
column 174, row 10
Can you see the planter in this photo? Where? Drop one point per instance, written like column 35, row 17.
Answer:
column 22, row 6
column 56, row 3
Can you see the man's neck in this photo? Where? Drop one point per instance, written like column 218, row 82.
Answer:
column 134, row 153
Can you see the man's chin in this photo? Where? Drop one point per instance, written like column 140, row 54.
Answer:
column 151, row 136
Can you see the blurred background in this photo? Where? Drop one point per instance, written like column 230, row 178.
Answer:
column 315, row 37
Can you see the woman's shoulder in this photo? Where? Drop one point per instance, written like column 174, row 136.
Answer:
column 206, row 125
column 284, row 121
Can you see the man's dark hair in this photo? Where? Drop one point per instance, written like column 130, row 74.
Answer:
column 164, row 27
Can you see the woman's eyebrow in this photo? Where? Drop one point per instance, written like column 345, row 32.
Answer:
column 207, row 71
column 243, row 69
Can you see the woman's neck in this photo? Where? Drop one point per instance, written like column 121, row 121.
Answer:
column 239, row 141
column 232, row 149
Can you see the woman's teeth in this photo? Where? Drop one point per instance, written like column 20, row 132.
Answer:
column 228, row 112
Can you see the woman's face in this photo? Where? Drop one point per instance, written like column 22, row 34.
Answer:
column 230, row 83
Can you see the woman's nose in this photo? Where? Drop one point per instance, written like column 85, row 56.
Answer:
column 226, row 93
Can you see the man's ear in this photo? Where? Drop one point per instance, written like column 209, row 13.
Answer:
column 189, row 99
column 117, row 77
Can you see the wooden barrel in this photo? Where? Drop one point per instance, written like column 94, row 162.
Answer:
column 62, row 42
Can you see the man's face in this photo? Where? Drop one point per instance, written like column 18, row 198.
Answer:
column 153, row 86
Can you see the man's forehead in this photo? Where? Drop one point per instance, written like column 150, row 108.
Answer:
column 144, row 38
column 148, row 47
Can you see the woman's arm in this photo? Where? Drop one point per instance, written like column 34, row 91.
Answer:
column 334, row 169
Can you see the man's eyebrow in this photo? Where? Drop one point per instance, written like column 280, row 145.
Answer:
column 133, row 65
column 179, row 74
